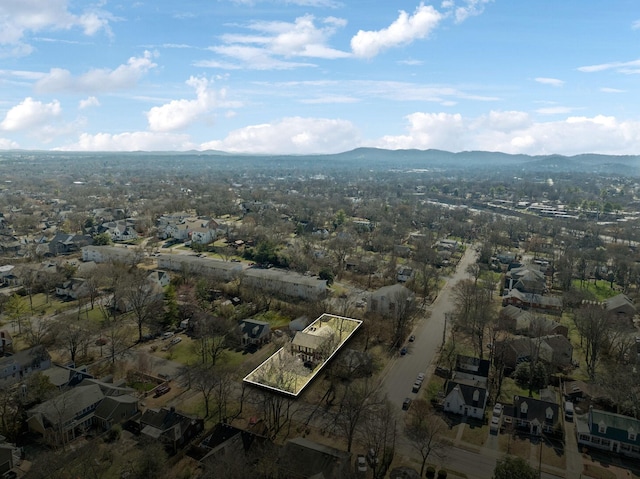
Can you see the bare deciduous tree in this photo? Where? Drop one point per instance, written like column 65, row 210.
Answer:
column 593, row 326
column 424, row 431
column 357, row 399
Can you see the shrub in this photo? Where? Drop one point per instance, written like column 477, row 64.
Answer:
column 442, row 474
column 114, row 433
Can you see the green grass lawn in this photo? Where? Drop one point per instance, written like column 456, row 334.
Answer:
column 185, row 352
column 600, row 289
column 510, row 389
column 435, row 385
column 41, row 306
column 274, row 318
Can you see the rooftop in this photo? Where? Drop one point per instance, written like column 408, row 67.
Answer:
column 286, row 373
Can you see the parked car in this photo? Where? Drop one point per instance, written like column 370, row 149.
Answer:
column 160, row 390
column 568, row 411
column 167, row 334
column 403, row 351
column 362, row 463
column 420, row 377
column 406, row 403
column 497, row 410
column 176, row 340
column 495, row 425
column 416, row 386
column 412, row 338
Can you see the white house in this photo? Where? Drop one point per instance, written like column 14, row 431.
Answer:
column 465, row 399
column 197, row 229
column 120, row 230
column 73, row 288
column 107, row 254
column 16, row 367
column 159, row 277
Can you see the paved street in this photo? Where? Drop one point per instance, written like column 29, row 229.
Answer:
column 474, row 461
column 402, row 371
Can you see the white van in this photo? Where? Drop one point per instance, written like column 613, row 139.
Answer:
column 568, row 411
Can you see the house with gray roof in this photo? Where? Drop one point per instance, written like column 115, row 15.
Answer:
column 115, row 410
column 301, row 458
column 467, row 398
column 526, row 279
column 390, row 300
column 555, row 350
column 535, row 416
column 73, row 288
column 254, row 332
column 609, row 431
column 520, row 321
column 63, row 243
column 172, row 428
column 67, row 416
column 16, row 367
column 467, row 390
column 64, row 377
column 620, row 307
column 119, row 230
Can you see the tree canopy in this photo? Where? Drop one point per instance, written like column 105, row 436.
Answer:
column 510, row 467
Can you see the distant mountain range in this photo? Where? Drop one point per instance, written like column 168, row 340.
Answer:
column 589, row 162
column 374, row 158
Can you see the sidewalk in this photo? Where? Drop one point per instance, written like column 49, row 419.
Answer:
column 489, row 451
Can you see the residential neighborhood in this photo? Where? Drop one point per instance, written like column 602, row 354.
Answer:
column 317, row 334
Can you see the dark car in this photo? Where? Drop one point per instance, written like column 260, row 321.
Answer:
column 160, row 390
column 412, row 338
column 406, row 403
column 403, row 351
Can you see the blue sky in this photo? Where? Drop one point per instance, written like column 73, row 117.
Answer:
column 321, row 76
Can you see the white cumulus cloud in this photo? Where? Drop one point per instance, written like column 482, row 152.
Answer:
column 468, row 8
column 514, row 132
column 429, row 130
column 88, row 102
column 99, row 79
column 7, row 144
column 19, row 18
column 404, row 30
column 291, row 135
column 29, row 114
column 130, row 141
column 271, row 43
column 180, row 113
column 507, row 120
column 550, row 81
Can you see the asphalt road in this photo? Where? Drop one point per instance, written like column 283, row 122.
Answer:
column 402, row 371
